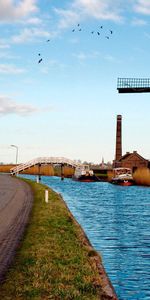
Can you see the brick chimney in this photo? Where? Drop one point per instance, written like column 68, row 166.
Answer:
column 118, row 138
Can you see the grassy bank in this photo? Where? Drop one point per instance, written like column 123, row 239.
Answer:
column 54, row 260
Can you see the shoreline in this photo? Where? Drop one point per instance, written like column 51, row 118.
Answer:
column 63, row 240
column 96, row 260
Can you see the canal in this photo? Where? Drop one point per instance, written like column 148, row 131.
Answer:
column 116, row 220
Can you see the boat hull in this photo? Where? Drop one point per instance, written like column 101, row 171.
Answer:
column 123, row 182
column 84, row 178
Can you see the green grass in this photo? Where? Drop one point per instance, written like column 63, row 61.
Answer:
column 53, row 261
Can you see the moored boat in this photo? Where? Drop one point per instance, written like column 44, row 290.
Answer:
column 85, row 174
column 122, row 176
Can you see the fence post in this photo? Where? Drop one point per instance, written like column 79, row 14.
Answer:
column 46, row 196
column 37, row 178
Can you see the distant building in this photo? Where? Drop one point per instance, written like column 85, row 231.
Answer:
column 129, row 160
column 133, row 160
column 103, row 165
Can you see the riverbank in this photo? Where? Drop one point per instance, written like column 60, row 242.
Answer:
column 55, row 259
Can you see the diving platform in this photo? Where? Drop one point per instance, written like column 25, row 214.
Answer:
column 133, row 85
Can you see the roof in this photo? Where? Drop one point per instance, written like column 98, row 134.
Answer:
column 134, row 153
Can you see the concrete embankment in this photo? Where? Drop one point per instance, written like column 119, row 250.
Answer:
column 55, row 259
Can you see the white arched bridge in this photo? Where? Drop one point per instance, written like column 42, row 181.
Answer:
column 44, row 161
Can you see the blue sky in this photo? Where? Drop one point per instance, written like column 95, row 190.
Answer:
column 67, row 104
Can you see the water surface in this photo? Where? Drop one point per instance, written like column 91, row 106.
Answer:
column 116, row 220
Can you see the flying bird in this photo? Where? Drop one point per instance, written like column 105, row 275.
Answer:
column 78, row 25
column 40, row 61
column 101, row 27
column 73, row 30
column 48, row 41
column 98, row 32
column 111, row 31
column 92, row 32
column 107, row 37
column 39, row 54
column 80, row 29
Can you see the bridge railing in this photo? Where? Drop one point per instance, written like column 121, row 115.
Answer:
column 44, row 160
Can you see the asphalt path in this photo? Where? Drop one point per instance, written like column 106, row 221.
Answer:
column 16, row 200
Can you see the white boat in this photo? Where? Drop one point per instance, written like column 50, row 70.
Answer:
column 122, row 176
column 85, row 174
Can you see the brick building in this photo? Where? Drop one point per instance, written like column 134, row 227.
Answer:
column 129, row 160
column 133, row 160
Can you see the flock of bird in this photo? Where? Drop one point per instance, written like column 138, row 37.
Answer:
column 92, row 32
column 39, row 54
column 78, row 28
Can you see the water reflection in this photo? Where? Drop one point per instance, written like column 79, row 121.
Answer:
column 116, row 220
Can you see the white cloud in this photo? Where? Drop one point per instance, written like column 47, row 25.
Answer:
column 142, row 6
column 102, row 10
column 7, row 55
column 10, row 69
column 9, row 106
column 82, row 9
column 84, row 56
column 4, row 44
column 11, row 11
column 29, row 34
column 34, row 21
column 30, row 21
column 111, row 58
column 67, row 17
column 99, row 9
column 147, row 35
column 52, row 64
column 138, row 22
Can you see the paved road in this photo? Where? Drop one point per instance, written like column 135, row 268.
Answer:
column 15, row 205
